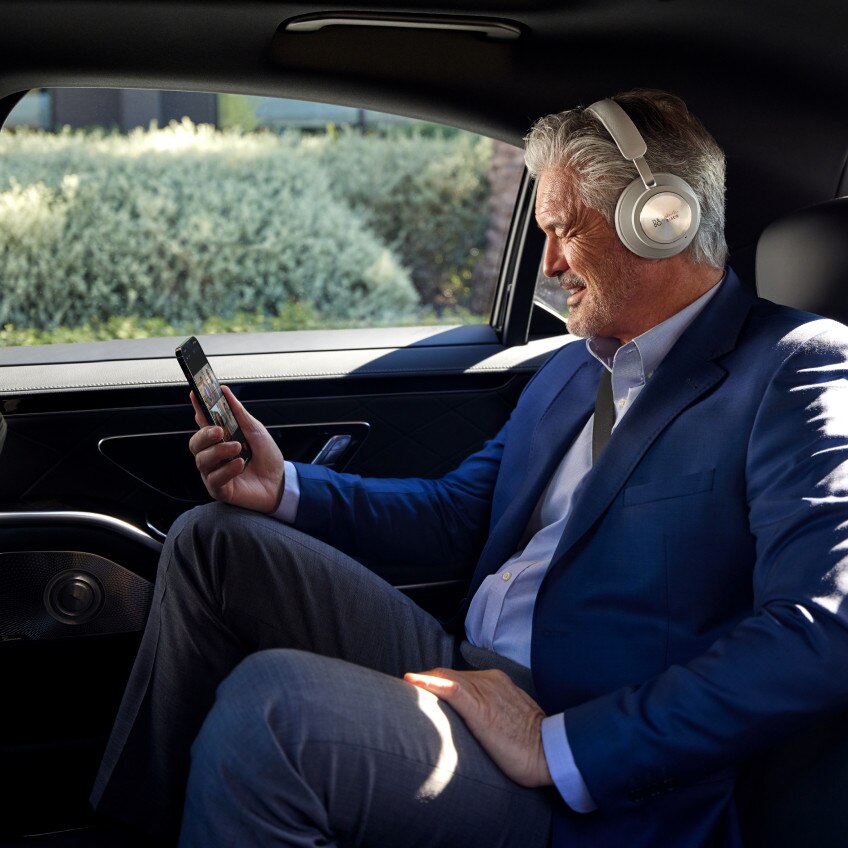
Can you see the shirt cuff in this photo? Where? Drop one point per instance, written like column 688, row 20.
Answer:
column 563, row 769
column 287, row 510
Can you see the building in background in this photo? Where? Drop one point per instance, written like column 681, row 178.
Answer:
column 279, row 114
column 32, row 111
column 125, row 109
column 121, row 108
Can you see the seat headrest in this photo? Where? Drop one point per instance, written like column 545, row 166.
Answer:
column 802, row 260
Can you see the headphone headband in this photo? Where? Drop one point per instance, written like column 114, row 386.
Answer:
column 630, row 143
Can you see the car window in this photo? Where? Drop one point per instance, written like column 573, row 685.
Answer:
column 129, row 214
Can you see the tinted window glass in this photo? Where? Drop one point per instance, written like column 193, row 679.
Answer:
column 142, row 213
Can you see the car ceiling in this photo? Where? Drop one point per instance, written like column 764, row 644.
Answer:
column 769, row 78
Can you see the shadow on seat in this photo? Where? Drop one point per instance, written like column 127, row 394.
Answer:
column 793, row 794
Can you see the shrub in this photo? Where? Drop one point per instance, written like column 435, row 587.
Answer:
column 425, row 195
column 183, row 221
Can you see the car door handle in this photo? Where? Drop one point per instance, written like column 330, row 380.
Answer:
column 333, row 450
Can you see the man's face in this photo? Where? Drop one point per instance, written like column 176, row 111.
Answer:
column 584, row 253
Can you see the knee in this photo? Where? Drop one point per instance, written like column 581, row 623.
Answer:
column 270, row 686
column 222, row 528
column 280, row 688
column 261, row 676
column 263, row 699
column 202, row 519
column 199, row 538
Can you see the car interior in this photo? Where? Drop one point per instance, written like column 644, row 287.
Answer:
column 94, row 465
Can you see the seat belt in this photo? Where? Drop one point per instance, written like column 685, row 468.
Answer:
column 604, row 415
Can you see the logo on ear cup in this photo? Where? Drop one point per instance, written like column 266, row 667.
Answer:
column 665, row 218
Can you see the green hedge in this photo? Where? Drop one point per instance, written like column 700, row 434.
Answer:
column 426, row 197
column 189, row 222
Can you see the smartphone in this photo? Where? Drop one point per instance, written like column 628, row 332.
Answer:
column 207, row 390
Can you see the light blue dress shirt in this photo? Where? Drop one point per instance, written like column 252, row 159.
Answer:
column 500, row 616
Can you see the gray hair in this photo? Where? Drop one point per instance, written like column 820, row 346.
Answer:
column 678, row 143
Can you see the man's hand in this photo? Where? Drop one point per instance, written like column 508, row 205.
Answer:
column 257, row 485
column 505, row 720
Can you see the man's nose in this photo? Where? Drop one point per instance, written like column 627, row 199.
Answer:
column 554, row 261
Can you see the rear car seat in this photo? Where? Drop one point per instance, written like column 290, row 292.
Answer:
column 795, row 793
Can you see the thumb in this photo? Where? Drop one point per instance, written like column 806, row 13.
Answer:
column 244, row 419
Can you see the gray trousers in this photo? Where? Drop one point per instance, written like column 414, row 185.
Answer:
column 280, row 659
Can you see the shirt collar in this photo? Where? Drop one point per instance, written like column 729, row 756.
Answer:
column 654, row 344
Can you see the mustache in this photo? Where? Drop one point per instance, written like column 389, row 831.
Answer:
column 570, row 280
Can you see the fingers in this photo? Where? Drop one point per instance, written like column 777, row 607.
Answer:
column 219, row 465
column 464, row 690
column 216, row 480
column 438, row 681
column 448, row 679
column 211, row 458
column 217, row 461
column 199, row 417
column 204, row 438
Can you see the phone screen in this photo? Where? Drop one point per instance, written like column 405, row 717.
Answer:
column 213, row 399
column 206, row 387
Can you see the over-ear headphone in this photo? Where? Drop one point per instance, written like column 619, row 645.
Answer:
column 657, row 216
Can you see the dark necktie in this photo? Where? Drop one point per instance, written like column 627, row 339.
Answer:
column 604, row 415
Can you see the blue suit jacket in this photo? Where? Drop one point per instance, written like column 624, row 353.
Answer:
column 694, row 610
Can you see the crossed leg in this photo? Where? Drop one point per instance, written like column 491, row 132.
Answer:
column 305, row 750
column 232, row 583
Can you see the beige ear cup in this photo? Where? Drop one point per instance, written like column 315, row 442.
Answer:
column 660, row 221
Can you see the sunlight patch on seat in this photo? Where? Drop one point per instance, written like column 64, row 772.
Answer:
column 445, row 766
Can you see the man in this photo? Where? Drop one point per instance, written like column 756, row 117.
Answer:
column 643, row 613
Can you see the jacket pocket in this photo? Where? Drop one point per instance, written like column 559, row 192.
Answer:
column 674, row 487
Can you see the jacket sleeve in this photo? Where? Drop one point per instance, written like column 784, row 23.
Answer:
column 400, row 526
column 788, row 661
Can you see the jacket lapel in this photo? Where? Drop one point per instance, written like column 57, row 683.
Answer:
column 686, row 374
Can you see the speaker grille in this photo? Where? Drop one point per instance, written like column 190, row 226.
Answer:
column 56, row 594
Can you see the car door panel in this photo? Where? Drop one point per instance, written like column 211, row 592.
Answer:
column 62, row 682
column 161, row 461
